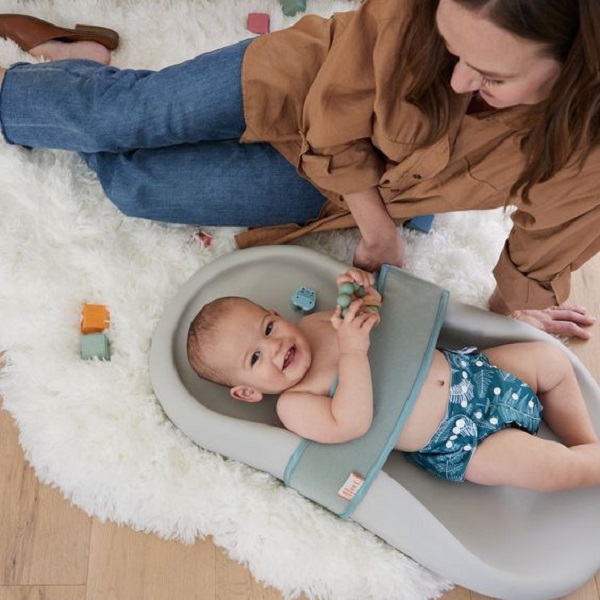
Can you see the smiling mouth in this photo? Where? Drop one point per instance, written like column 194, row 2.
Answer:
column 289, row 357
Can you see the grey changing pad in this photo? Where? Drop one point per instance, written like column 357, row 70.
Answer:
column 503, row 542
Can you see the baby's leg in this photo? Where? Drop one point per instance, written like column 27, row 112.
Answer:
column 517, row 458
column 548, row 371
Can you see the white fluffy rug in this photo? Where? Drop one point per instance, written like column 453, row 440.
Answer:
column 95, row 430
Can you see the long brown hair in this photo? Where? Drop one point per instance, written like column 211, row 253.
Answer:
column 562, row 128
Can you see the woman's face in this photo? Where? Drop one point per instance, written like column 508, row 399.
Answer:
column 504, row 69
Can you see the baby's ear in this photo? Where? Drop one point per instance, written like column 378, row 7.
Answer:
column 245, row 393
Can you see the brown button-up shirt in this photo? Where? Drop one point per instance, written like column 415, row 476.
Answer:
column 327, row 94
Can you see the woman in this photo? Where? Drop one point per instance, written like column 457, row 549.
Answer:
column 397, row 109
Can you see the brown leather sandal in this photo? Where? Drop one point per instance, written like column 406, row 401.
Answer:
column 28, row 32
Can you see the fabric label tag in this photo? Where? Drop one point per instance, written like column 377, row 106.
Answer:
column 351, row 486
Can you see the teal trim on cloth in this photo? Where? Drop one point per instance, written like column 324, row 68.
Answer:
column 294, row 459
column 400, row 355
column 334, row 385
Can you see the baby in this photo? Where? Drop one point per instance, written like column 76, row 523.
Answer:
column 476, row 415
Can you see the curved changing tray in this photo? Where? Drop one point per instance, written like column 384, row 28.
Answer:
column 503, row 542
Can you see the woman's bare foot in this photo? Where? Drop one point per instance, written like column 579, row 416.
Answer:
column 55, row 50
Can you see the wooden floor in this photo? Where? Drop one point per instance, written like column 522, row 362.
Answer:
column 52, row 551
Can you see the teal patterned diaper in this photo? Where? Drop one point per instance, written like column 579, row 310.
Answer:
column 483, row 399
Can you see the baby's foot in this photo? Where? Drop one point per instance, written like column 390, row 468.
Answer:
column 54, row 50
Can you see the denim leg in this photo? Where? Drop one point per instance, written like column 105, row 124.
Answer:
column 208, row 183
column 83, row 106
column 163, row 143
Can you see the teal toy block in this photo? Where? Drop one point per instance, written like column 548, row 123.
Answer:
column 291, row 7
column 304, row 300
column 95, row 345
column 420, row 223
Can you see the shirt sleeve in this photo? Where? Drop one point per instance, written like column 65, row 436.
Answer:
column 337, row 152
column 552, row 236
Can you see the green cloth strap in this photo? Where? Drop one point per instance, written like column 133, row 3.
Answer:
column 337, row 476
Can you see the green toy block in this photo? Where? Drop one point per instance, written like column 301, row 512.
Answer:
column 95, row 345
column 291, row 7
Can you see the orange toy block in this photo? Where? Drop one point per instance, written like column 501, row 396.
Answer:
column 94, row 318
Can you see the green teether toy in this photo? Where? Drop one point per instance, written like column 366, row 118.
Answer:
column 349, row 291
column 347, row 288
column 344, row 300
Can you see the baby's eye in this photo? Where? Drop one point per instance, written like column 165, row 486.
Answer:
column 269, row 328
column 254, row 358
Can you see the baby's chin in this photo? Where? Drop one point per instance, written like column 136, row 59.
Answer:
column 291, row 384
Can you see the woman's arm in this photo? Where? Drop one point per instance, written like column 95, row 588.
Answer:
column 380, row 240
column 553, row 235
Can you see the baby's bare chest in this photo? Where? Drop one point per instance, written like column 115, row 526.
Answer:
column 324, row 362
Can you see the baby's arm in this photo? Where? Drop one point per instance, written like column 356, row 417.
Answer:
column 348, row 415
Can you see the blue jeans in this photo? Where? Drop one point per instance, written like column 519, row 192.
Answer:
column 164, row 144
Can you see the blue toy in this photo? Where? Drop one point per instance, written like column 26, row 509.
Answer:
column 421, row 223
column 304, row 300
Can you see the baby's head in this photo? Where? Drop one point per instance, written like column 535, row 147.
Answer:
column 253, row 351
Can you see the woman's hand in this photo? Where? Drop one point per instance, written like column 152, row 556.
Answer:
column 370, row 256
column 380, row 241
column 558, row 320
column 566, row 320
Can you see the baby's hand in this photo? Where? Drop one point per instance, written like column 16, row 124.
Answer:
column 362, row 278
column 356, row 283
column 353, row 330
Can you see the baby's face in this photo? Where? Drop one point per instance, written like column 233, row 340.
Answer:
column 257, row 348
